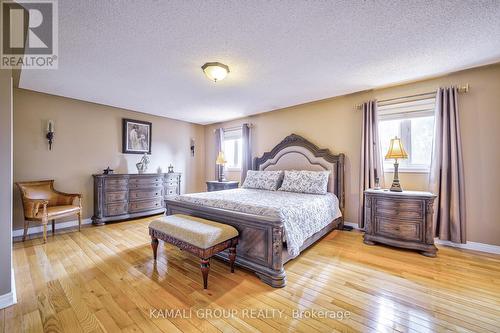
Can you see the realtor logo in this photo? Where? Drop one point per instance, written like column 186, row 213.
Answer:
column 29, row 34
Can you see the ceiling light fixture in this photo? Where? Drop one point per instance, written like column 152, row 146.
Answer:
column 215, row 71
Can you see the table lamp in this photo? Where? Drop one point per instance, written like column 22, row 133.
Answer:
column 396, row 151
column 220, row 161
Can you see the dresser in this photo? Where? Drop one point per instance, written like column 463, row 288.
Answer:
column 214, row 185
column 402, row 219
column 125, row 196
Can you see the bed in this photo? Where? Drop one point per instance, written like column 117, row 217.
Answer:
column 272, row 223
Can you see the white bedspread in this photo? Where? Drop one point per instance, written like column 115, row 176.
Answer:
column 302, row 214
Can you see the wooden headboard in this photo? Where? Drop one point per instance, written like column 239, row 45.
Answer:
column 297, row 153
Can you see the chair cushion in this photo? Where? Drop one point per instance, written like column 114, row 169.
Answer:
column 57, row 211
column 193, row 230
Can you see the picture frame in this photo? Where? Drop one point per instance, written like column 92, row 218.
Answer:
column 136, row 136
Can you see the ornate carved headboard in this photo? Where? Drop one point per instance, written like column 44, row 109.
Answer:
column 296, row 153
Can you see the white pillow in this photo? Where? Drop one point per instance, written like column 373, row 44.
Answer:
column 263, row 180
column 314, row 182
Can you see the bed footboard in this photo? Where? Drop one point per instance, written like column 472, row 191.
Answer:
column 260, row 246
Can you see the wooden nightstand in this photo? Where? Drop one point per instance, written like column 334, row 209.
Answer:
column 213, row 185
column 402, row 219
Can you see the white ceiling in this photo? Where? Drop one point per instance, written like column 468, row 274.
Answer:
column 146, row 55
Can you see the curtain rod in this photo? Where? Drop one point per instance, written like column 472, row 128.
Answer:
column 461, row 89
column 236, row 127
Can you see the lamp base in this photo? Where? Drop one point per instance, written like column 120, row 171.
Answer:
column 396, row 186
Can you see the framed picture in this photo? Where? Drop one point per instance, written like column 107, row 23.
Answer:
column 136, row 137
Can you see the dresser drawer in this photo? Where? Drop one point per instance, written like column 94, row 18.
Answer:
column 172, row 178
column 145, row 205
column 146, row 194
column 116, row 209
column 118, row 183
column 405, row 209
column 145, row 185
column 398, row 229
column 171, row 190
column 171, row 183
column 145, row 180
column 116, row 196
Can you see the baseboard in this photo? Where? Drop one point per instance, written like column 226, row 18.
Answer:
column 9, row 298
column 353, row 225
column 38, row 228
column 474, row 246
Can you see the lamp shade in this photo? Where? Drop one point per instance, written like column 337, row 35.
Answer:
column 220, row 159
column 215, row 71
column 396, row 150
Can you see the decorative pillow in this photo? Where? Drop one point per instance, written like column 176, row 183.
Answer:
column 263, row 180
column 314, row 182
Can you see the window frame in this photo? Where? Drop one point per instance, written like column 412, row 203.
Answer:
column 232, row 134
column 405, row 111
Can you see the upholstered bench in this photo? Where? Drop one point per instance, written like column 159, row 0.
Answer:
column 200, row 237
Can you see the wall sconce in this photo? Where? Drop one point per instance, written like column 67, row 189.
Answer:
column 50, row 133
column 192, row 147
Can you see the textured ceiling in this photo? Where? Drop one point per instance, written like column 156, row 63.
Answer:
column 146, row 55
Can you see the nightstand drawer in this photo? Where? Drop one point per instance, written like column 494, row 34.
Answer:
column 404, row 209
column 398, row 229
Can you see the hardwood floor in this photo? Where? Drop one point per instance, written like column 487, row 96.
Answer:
column 103, row 280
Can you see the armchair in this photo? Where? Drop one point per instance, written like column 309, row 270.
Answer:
column 41, row 203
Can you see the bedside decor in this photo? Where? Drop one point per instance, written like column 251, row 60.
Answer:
column 170, row 168
column 402, row 219
column 220, row 164
column 136, row 137
column 396, row 151
column 50, row 133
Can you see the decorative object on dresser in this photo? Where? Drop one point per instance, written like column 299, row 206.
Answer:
column 41, row 203
column 142, row 166
column 220, row 161
column 136, row 136
column 402, row 219
column 396, row 150
column 108, row 171
column 214, row 185
column 125, row 196
column 200, row 237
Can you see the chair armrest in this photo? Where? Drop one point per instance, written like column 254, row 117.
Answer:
column 68, row 198
column 36, row 205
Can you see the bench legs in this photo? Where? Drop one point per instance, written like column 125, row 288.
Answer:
column 154, row 246
column 232, row 257
column 205, row 268
column 204, row 262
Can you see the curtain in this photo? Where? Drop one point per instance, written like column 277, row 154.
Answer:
column 246, row 160
column 219, row 139
column 446, row 178
column 371, row 160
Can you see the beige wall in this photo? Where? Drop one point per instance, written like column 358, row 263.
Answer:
column 5, row 181
column 335, row 124
column 87, row 140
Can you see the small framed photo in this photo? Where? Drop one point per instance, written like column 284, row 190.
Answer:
column 136, row 137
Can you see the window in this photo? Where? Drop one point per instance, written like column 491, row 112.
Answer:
column 413, row 122
column 233, row 147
